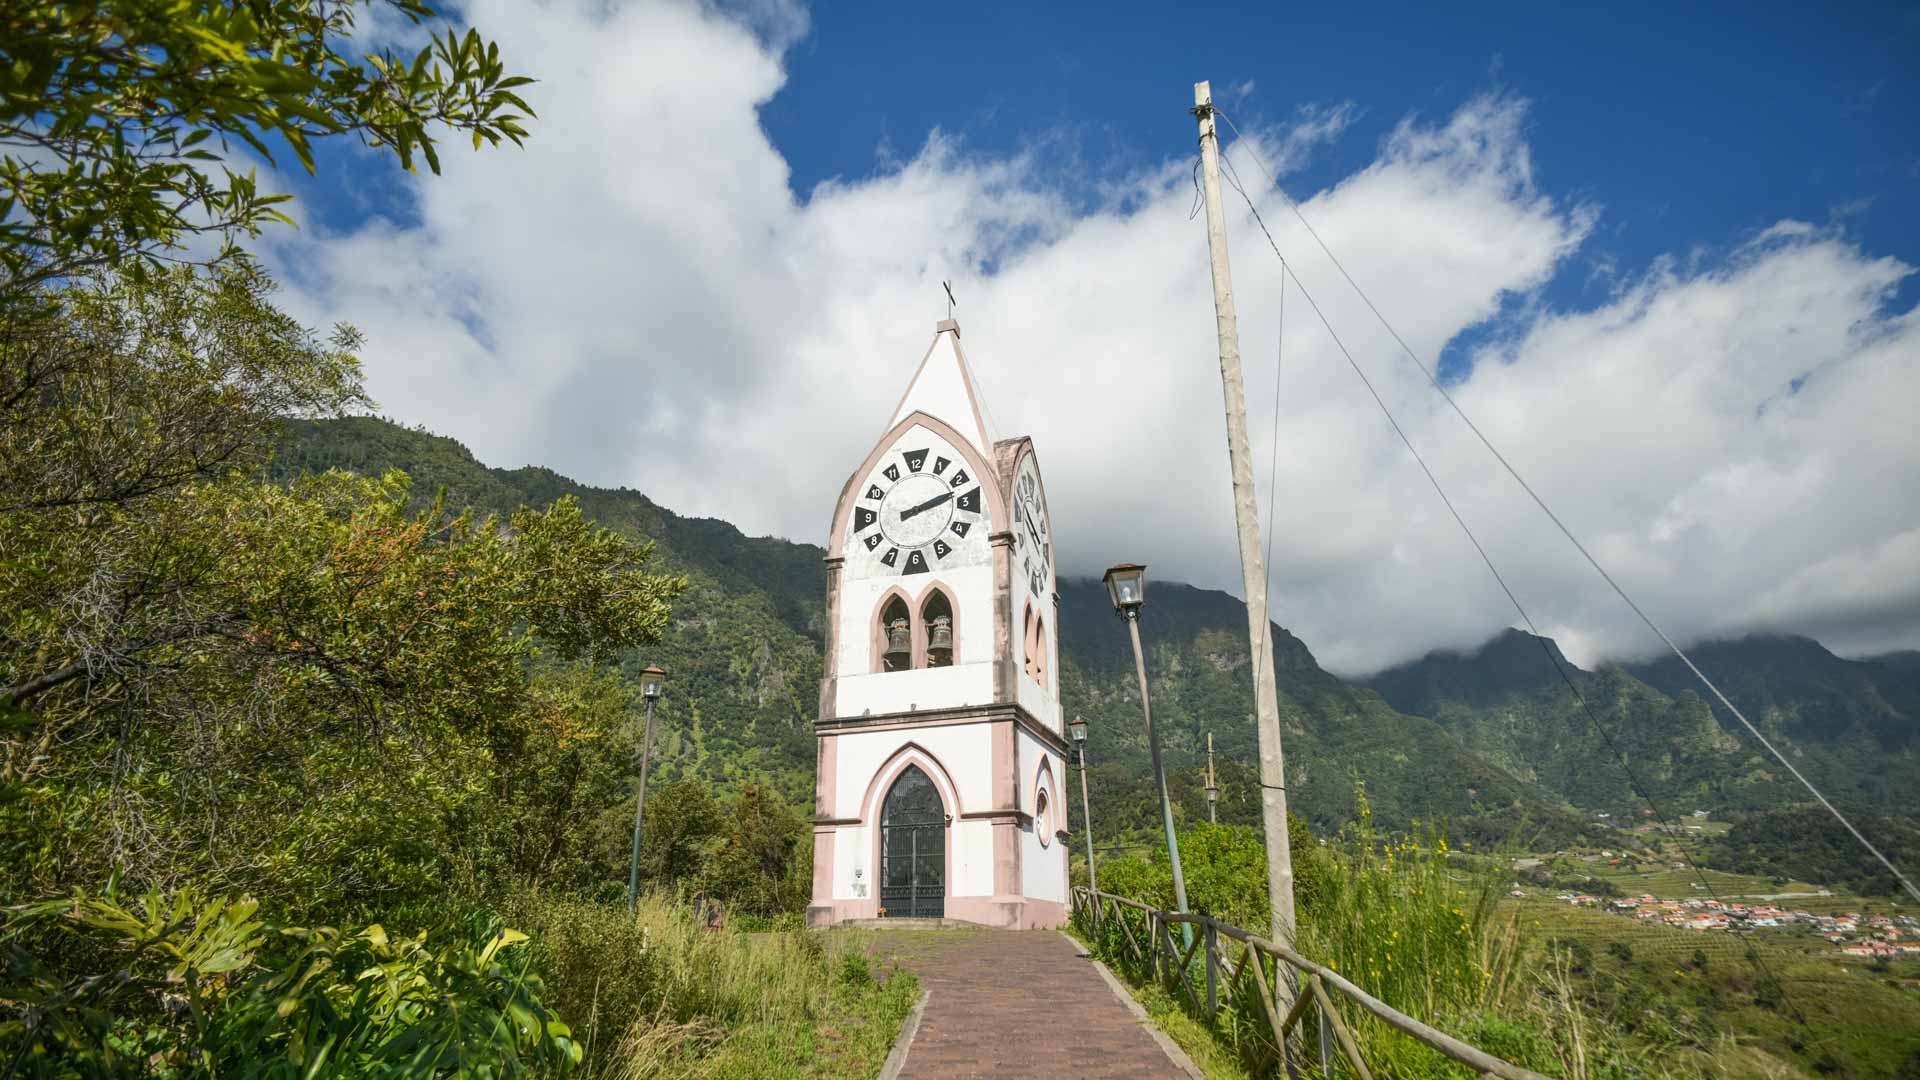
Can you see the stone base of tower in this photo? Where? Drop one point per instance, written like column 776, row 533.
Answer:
column 1000, row 913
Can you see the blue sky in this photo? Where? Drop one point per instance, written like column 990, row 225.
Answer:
column 1666, row 259
column 1692, row 124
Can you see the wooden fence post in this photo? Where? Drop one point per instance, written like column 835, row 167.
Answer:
column 1213, row 971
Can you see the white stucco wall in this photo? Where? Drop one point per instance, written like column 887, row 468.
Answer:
column 1043, row 866
column 902, row 691
column 970, row 586
column 967, row 752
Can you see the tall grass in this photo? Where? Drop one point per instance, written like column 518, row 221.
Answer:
column 1410, row 922
column 658, row 995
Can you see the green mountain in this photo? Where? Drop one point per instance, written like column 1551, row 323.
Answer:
column 1337, row 736
column 743, row 657
column 1849, row 725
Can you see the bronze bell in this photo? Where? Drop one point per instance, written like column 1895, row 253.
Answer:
column 942, row 636
column 899, row 644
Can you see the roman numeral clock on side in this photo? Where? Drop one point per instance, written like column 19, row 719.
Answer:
column 940, row 735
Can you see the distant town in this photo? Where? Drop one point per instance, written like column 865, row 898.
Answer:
column 1872, row 936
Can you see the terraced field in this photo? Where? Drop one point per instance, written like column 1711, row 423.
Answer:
column 1867, row 1015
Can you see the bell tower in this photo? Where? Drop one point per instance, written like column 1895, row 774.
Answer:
column 941, row 754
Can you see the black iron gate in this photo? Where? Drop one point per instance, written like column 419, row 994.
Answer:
column 913, row 849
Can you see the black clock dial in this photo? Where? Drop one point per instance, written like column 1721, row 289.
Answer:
column 914, row 507
column 1030, row 532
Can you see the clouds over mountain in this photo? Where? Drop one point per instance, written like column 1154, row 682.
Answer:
column 639, row 298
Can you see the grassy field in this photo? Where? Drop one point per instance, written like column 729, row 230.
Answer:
column 1831, row 1014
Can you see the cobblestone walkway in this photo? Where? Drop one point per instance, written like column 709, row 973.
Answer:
column 1025, row 1003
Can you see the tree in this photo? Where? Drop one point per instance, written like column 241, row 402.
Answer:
column 125, row 123
column 683, row 818
column 313, row 690
column 119, row 404
column 753, row 871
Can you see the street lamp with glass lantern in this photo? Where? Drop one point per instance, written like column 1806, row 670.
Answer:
column 1079, row 730
column 652, row 682
column 1127, row 588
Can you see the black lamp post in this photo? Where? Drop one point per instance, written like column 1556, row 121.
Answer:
column 652, row 680
column 1127, row 588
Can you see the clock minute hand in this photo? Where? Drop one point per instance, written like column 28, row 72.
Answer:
column 928, row 505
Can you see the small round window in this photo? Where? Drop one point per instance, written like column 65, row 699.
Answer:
column 1042, row 824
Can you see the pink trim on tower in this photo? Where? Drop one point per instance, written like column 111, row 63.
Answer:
column 966, row 380
column 977, row 465
column 1006, row 795
column 923, row 630
column 877, row 630
column 909, row 754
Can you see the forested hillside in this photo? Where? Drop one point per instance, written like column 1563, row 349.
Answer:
column 743, row 656
column 1853, row 727
column 1490, row 741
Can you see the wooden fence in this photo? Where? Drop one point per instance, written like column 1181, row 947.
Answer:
column 1230, row 976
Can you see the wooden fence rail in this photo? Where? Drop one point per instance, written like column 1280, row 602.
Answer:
column 1238, row 973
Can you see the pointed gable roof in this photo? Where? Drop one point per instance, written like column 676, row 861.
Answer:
column 944, row 387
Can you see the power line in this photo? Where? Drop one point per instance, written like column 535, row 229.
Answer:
column 1434, row 381
column 1606, row 736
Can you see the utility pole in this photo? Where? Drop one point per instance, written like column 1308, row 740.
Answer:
column 1246, row 513
column 1213, row 790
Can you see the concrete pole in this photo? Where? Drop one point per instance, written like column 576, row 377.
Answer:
column 1086, row 822
column 1246, row 513
column 639, row 813
column 1160, row 778
column 1213, row 790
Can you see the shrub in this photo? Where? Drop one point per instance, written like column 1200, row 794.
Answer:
column 656, row 994
column 101, row 987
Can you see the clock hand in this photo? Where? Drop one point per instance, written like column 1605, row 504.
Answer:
column 928, row 505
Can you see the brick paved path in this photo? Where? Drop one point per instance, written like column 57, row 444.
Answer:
column 1019, row 1003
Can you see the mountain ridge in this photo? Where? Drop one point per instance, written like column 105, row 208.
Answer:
column 1479, row 738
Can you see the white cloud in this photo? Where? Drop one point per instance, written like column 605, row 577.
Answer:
column 638, row 299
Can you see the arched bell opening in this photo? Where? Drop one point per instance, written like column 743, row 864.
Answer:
column 895, row 631
column 936, row 615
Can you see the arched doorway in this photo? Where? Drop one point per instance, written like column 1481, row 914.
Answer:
column 913, row 848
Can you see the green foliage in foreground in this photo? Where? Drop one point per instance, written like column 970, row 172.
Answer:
column 121, row 121
column 184, row 987
column 662, row 997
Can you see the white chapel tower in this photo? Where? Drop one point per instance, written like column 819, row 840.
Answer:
column 940, row 739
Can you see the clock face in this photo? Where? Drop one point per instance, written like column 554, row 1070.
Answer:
column 1032, row 543
column 919, row 510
